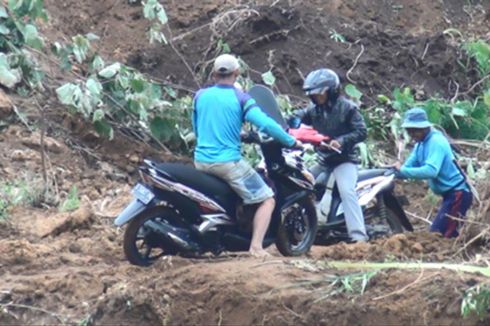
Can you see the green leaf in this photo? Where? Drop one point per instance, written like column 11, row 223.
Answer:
column 15, row 4
column 97, row 63
column 161, row 128
column 365, row 156
column 3, row 12
column 383, row 99
column 104, row 128
column 32, row 37
column 156, row 35
column 72, row 201
column 94, row 86
column 458, row 112
column 110, row 71
column 138, row 85
column 170, row 91
column 8, row 77
column 123, row 81
column 98, row 115
column 353, row 92
column 269, row 78
column 162, row 15
column 4, row 30
column 66, row 93
column 486, row 98
column 92, row 37
column 81, row 47
column 148, row 12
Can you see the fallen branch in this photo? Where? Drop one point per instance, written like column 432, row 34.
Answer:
column 269, row 262
column 476, row 85
column 485, row 271
column 15, row 305
column 354, row 65
column 21, row 118
column 456, row 93
column 419, row 278
column 425, row 51
column 467, row 244
column 267, row 37
column 418, row 217
column 43, row 147
column 182, row 58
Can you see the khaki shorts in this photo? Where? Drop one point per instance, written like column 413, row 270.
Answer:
column 246, row 182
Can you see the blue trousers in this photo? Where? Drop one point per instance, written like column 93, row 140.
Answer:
column 454, row 204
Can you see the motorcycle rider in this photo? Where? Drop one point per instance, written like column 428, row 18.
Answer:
column 219, row 112
column 433, row 159
column 332, row 114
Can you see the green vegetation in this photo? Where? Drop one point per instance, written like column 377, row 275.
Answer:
column 72, row 202
column 476, row 300
column 18, row 30
column 15, row 193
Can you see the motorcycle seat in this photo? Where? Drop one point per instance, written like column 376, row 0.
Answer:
column 205, row 183
column 370, row 173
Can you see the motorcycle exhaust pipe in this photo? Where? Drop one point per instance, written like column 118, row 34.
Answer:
column 175, row 236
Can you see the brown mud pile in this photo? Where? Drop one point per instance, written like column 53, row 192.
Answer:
column 409, row 246
column 68, row 267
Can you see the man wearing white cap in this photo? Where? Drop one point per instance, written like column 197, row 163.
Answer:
column 219, row 112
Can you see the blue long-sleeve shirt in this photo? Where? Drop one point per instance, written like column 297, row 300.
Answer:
column 219, row 112
column 433, row 159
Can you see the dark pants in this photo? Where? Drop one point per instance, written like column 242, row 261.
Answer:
column 454, row 203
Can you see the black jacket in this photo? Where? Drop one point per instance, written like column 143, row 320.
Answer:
column 342, row 122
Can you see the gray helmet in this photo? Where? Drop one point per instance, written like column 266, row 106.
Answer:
column 320, row 81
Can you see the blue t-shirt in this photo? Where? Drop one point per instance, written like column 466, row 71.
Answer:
column 433, row 159
column 219, row 112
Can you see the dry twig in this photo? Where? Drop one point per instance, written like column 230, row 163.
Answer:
column 347, row 75
column 418, row 217
column 15, row 305
column 475, row 85
column 419, row 279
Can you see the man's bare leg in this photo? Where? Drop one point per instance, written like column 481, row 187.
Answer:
column 262, row 219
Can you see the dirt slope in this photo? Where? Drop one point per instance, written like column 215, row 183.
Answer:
column 69, row 267
column 388, row 43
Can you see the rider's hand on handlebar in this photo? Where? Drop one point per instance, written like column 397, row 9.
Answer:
column 397, row 165
column 333, row 145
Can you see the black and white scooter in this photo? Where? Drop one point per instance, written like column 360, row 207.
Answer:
column 382, row 209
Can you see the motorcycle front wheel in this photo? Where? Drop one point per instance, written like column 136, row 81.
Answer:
column 143, row 246
column 298, row 229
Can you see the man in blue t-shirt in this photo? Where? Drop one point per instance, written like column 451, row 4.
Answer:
column 433, row 159
column 219, row 112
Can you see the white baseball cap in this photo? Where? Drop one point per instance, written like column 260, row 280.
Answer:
column 226, row 64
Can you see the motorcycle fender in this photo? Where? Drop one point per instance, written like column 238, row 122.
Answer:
column 132, row 210
column 392, row 202
column 288, row 201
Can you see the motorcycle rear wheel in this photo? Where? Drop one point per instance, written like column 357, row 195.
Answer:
column 392, row 220
column 140, row 241
column 291, row 239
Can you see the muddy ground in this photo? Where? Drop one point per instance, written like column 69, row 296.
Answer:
column 69, row 268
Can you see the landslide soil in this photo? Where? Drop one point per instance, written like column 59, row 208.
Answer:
column 68, row 267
